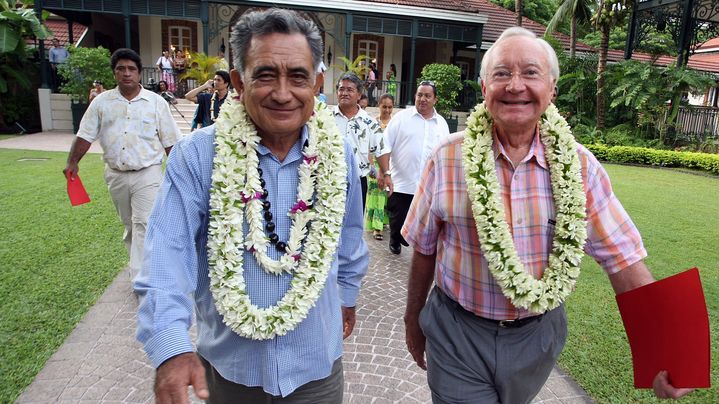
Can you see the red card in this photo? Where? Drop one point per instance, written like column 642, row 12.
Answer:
column 668, row 329
column 76, row 191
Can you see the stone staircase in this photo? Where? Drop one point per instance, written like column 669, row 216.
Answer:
column 183, row 108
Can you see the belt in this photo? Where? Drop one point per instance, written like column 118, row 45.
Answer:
column 513, row 323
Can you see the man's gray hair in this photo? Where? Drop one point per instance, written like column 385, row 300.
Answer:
column 350, row 76
column 271, row 21
column 519, row 31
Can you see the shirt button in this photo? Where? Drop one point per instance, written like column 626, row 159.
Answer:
column 519, row 221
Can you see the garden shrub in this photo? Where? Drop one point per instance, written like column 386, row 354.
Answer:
column 663, row 158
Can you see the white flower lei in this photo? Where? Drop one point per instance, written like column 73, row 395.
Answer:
column 236, row 192
column 536, row 295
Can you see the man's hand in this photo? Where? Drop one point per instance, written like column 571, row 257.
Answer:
column 348, row 321
column 663, row 389
column 388, row 185
column 414, row 338
column 209, row 83
column 175, row 375
column 71, row 169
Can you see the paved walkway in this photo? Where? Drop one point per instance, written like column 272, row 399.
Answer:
column 100, row 362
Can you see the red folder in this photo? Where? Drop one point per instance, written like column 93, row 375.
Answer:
column 76, row 191
column 668, row 329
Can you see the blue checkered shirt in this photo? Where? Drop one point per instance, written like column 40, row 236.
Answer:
column 174, row 280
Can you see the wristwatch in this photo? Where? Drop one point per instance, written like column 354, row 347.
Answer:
column 387, row 173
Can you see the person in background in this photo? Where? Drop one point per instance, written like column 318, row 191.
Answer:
column 164, row 93
column 500, row 224
column 135, row 129
column 209, row 97
column 392, row 81
column 166, row 65
column 180, row 66
column 363, row 101
column 411, row 134
column 222, row 63
column 96, row 90
column 377, row 217
column 271, row 314
column 361, row 131
column 57, row 55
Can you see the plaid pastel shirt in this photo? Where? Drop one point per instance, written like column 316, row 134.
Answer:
column 440, row 220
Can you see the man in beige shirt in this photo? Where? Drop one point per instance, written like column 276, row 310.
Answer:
column 135, row 129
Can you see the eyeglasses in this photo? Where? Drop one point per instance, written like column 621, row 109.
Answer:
column 347, row 90
column 503, row 76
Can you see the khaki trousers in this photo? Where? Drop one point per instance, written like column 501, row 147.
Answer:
column 133, row 193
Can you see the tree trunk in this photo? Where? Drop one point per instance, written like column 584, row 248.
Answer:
column 601, row 68
column 518, row 10
column 573, row 37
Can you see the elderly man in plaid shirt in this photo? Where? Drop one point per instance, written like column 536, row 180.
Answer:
column 493, row 325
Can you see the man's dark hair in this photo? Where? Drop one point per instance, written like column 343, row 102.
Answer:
column 273, row 21
column 125, row 53
column 351, row 77
column 224, row 74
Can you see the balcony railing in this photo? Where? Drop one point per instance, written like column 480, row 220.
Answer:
column 696, row 124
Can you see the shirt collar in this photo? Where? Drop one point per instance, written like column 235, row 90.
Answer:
column 336, row 110
column 144, row 95
column 536, row 150
column 433, row 117
column 295, row 152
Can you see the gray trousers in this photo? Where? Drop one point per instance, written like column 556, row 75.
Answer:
column 472, row 360
column 324, row 391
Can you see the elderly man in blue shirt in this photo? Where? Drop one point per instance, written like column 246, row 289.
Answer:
column 258, row 230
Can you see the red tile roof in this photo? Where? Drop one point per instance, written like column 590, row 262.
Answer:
column 60, row 31
column 500, row 19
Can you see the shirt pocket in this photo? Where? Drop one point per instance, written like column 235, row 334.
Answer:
column 148, row 130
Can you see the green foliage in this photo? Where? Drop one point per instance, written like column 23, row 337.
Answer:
column 653, row 157
column 678, row 218
column 17, row 22
column 575, row 13
column 654, row 42
column 540, row 11
column 647, row 89
column 357, row 66
column 448, row 80
column 202, row 67
column 576, row 86
column 56, row 259
column 83, row 66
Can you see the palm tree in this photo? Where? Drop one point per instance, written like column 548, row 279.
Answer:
column 609, row 14
column 579, row 11
column 518, row 10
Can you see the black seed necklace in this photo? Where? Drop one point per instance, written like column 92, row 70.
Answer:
column 281, row 246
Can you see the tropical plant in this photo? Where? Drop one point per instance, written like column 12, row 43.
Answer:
column 608, row 14
column 448, row 82
column 648, row 90
column 578, row 12
column 83, row 66
column 18, row 21
column 357, row 66
column 202, row 67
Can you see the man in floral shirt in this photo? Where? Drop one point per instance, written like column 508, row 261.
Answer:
column 362, row 132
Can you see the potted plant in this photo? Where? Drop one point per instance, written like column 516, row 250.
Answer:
column 83, row 66
column 201, row 68
column 448, row 81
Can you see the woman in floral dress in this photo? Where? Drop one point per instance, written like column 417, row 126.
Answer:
column 376, row 216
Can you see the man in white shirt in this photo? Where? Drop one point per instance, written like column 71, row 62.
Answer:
column 134, row 127
column 411, row 134
column 363, row 133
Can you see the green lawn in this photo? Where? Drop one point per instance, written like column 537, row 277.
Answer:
column 56, row 260
column 678, row 216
